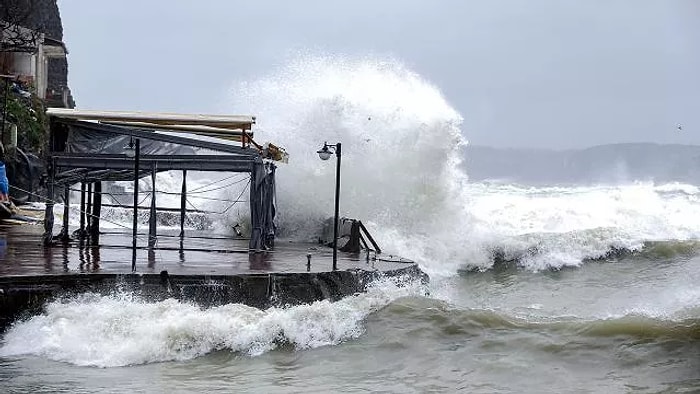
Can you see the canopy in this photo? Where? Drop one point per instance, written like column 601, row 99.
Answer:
column 96, row 146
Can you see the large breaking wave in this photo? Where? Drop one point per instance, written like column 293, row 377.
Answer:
column 402, row 176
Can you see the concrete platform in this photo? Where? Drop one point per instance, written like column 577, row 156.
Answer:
column 206, row 269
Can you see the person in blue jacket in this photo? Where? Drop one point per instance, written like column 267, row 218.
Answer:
column 4, row 183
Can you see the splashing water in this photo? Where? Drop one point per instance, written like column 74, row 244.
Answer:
column 402, row 177
column 121, row 329
column 401, row 140
column 401, row 174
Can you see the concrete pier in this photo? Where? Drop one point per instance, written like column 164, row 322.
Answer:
column 207, row 270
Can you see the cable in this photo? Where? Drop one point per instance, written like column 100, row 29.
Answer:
column 69, row 207
column 215, row 182
column 150, row 192
column 168, row 193
column 214, row 199
column 237, row 199
column 221, row 187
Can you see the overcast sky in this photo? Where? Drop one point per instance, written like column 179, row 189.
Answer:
column 551, row 74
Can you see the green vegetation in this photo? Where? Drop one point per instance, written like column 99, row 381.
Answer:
column 29, row 114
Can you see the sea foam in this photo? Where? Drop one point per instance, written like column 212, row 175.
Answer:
column 121, row 329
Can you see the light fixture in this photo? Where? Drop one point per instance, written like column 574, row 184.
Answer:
column 324, row 153
column 129, row 149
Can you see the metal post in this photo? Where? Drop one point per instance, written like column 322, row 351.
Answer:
column 65, row 232
column 152, row 237
column 183, row 201
column 337, row 203
column 96, row 212
column 48, row 213
column 88, row 210
column 82, row 209
column 137, row 153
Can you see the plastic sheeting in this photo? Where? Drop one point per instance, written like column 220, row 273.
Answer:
column 262, row 207
column 90, row 140
column 83, row 140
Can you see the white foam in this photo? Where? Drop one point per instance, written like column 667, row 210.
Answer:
column 568, row 225
column 107, row 331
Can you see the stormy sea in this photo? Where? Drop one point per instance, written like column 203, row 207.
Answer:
column 572, row 271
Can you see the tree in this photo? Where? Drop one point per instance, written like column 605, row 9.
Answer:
column 17, row 32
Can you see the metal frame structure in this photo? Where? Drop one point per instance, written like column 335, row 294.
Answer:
column 90, row 147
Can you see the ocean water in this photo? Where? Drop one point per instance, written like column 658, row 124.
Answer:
column 578, row 288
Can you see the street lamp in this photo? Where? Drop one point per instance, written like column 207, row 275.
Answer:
column 133, row 150
column 324, row 154
column 130, row 149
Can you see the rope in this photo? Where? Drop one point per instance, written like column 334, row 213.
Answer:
column 197, row 191
column 234, row 202
column 114, row 199
column 150, row 192
column 217, row 188
column 192, row 205
column 46, row 199
column 215, row 182
column 214, row 199
column 238, row 199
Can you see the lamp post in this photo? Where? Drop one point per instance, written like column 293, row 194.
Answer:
column 133, row 150
column 325, row 153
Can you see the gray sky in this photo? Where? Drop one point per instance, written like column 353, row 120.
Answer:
column 534, row 73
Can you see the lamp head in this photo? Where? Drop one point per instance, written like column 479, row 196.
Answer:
column 324, row 153
column 129, row 149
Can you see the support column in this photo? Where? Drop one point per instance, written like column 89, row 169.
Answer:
column 96, row 212
column 137, row 153
column 183, row 203
column 88, row 209
column 152, row 236
column 65, row 231
column 82, row 209
column 48, row 213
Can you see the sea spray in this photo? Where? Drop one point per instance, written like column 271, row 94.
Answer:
column 123, row 329
column 401, row 170
column 402, row 175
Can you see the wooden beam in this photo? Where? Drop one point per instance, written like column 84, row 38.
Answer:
column 162, row 137
column 243, row 122
column 195, row 129
column 165, row 163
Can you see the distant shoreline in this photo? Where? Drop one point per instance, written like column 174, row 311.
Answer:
column 612, row 163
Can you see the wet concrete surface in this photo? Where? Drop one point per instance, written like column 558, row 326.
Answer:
column 21, row 253
column 206, row 270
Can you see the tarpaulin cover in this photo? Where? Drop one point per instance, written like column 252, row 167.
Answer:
column 262, row 206
column 83, row 140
